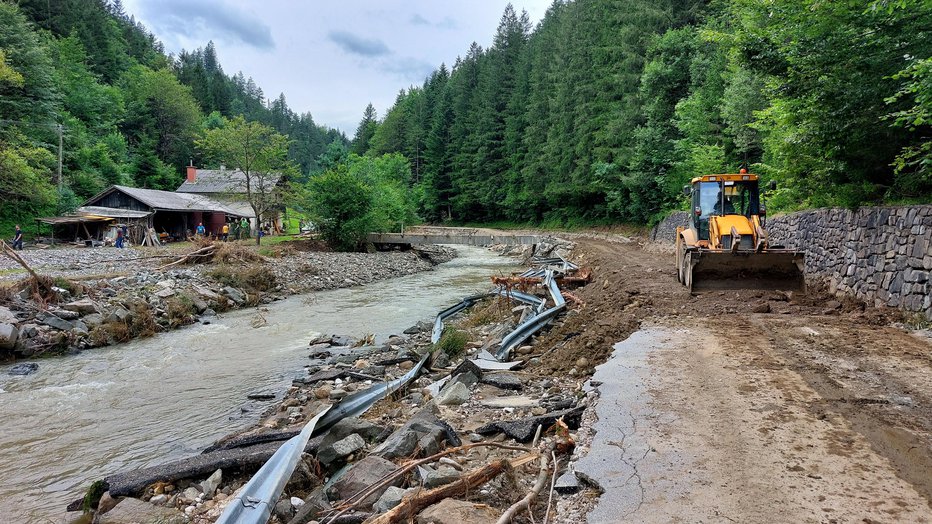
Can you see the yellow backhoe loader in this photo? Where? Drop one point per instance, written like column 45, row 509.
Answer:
column 725, row 245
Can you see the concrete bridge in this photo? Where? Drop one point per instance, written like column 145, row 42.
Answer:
column 451, row 237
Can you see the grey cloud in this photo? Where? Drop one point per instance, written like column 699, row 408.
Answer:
column 211, row 18
column 408, row 68
column 358, row 45
column 446, row 23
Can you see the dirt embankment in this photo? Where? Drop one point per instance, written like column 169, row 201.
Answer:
column 816, row 408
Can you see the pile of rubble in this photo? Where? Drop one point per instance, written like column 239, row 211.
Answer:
column 459, row 444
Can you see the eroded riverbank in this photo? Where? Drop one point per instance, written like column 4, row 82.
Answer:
column 138, row 404
column 138, row 297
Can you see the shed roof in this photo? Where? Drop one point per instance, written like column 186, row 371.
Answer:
column 169, row 201
column 221, row 181
column 72, row 219
column 112, row 212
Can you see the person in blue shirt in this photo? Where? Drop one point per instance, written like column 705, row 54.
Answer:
column 18, row 238
column 200, row 229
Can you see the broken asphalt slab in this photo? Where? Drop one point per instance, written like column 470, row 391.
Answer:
column 523, row 430
column 617, row 450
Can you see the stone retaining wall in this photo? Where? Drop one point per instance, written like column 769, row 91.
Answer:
column 881, row 255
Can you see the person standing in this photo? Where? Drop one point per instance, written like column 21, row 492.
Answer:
column 225, row 232
column 201, row 231
column 119, row 238
column 18, row 238
column 244, row 227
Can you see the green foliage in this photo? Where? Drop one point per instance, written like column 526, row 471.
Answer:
column 257, row 150
column 452, row 342
column 341, row 203
column 128, row 112
column 914, row 163
column 608, row 107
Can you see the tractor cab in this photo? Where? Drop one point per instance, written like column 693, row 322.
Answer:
column 726, row 207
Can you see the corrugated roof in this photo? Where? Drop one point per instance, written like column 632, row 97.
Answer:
column 73, row 219
column 219, row 181
column 112, row 212
column 170, row 201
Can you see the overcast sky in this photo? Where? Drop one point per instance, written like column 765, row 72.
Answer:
column 330, row 58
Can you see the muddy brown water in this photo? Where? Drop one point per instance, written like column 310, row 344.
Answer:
column 82, row 417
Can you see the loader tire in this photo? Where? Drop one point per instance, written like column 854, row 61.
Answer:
column 688, row 272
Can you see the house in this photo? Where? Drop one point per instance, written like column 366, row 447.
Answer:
column 228, row 186
column 175, row 214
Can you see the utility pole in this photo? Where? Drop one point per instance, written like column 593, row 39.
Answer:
column 60, row 129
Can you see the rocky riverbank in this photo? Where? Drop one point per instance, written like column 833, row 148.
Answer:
column 83, row 308
column 465, row 415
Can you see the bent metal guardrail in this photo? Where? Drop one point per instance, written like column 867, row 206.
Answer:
column 255, row 502
column 535, row 323
column 257, row 498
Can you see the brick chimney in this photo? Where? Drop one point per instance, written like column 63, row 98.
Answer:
column 192, row 174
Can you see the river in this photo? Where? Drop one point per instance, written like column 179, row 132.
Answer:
column 80, row 418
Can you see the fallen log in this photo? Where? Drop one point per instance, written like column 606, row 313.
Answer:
column 242, row 459
column 412, row 503
column 353, row 500
column 202, row 252
column 8, row 251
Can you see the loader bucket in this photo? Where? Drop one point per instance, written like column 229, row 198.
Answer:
column 767, row 270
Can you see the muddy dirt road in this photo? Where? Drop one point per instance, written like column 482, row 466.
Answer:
column 744, row 406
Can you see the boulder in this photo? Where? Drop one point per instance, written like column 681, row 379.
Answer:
column 503, row 381
column 332, row 453
column 422, row 433
column 342, row 340
column 200, row 305
column 57, row 323
column 338, row 394
column 235, row 295
column 283, row 510
column 349, row 426
column 421, row 327
column 9, row 334
column 25, row 368
column 453, row 395
column 314, row 504
column 360, row 476
column 467, row 366
column 207, row 294
column 7, row 316
column 119, row 314
column 165, row 293
column 209, row 486
column 80, row 328
column 452, row 511
column 133, row 511
column 391, row 498
column 440, row 476
column 93, row 320
column 84, row 306
column 65, row 314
